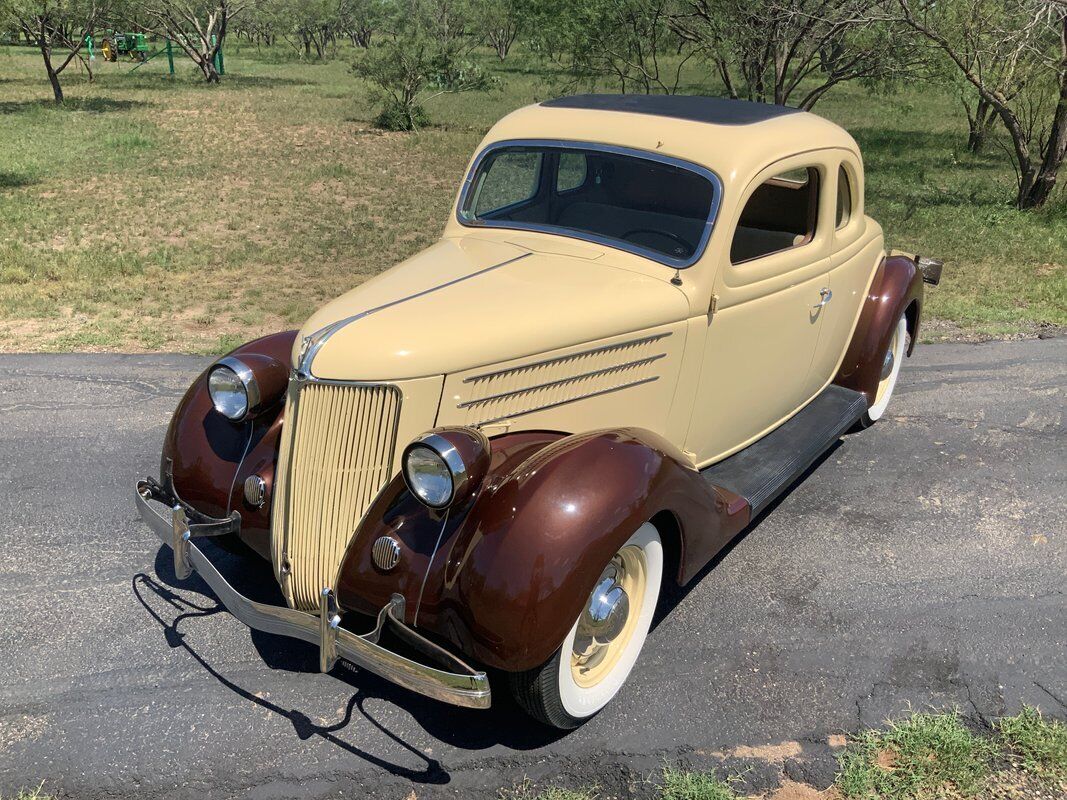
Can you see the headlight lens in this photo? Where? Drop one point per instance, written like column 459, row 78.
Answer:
column 428, row 476
column 228, row 393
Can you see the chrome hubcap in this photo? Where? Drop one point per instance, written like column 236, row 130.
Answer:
column 887, row 363
column 604, row 616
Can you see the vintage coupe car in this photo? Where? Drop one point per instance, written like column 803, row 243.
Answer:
column 646, row 317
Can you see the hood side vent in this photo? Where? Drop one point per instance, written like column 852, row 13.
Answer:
column 523, row 389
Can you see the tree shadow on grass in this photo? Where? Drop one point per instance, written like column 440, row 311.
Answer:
column 192, row 80
column 92, row 105
column 16, row 180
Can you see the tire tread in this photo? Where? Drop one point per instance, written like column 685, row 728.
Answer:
column 534, row 691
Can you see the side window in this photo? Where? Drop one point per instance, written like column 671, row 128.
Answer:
column 572, row 171
column 844, row 197
column 511, row 178
column 779, row 215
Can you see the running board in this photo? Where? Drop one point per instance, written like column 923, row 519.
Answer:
column 766, row 468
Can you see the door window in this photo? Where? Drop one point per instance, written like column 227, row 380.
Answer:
column 572, row 171
column 844, row 197
column 780, row 215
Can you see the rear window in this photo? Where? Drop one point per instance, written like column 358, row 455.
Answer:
column 659, row 208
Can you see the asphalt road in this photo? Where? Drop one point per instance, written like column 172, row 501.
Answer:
column 922, row 563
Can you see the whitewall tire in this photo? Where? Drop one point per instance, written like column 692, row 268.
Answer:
column 602, row 646
column 892, row 360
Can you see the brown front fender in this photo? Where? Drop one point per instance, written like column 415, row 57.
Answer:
column 206, row 457
column 512, row 571
column 897, row 289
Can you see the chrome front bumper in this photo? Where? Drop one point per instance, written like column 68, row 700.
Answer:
column 465, row 686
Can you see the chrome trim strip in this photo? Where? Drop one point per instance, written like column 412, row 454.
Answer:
column 310, row 345
column 607, row 241
column 466, row 687
column 571, row 400
column 595, row 373
column 558, row 359
column 429, row 564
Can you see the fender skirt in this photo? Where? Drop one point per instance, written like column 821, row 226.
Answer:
column 505, row 577
column 897, row 288
column 208, row 468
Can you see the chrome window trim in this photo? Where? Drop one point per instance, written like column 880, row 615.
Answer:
column 607, row 241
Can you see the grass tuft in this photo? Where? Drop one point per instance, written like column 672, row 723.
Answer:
column 683, row 785
column 526, row 790
column 31, row 794
column 925, row 756
column 1036, row 745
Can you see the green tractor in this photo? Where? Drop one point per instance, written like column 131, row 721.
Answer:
column 124, row 45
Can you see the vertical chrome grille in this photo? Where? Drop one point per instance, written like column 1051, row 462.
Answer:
column 336, row 454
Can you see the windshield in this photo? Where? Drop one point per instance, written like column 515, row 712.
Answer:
column 658, row 207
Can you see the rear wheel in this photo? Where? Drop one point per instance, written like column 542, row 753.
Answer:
column 600, row 650
column 891, row 361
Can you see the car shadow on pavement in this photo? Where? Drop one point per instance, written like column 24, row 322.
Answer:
column 673, row 594
column 467, row 729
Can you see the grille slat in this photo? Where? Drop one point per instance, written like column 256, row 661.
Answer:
column 336, row 455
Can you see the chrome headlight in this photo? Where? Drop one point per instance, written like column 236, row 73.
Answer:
column 233, row 388
column 446, row 465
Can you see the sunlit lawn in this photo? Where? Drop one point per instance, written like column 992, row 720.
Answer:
column 156, row 213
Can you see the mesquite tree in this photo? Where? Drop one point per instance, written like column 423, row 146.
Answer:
column 425, row 53
column 198, row 27
column 792, row 52
column 619, row 41
column 57, row 27
column 1014, row 54
column 497, row 22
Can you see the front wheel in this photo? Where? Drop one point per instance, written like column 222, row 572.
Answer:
column 891, row 361
column 595, row 659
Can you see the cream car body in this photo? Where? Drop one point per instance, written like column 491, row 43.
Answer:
column 498, row 446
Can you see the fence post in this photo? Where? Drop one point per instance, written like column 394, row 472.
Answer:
column 219, row 68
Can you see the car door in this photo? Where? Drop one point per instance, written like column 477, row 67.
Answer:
column 854, row 254
column 764, row 331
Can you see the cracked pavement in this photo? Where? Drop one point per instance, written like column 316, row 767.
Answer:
column 922, row 563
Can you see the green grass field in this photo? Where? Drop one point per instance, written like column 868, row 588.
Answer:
column 157, row 213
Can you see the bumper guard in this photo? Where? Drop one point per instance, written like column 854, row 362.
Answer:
column 465, row 686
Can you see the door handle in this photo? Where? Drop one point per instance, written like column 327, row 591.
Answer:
column 826, row 296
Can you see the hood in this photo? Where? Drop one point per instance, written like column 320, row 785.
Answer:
column 468, row 302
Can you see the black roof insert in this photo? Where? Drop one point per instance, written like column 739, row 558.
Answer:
column 714, row 110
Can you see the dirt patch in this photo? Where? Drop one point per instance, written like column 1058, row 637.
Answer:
column 1015, row 785
column 886, row 759
column 792, row 790
column 769, row 752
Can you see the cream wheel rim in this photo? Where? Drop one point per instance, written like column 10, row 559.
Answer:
column 601, row 648
column 592, row 659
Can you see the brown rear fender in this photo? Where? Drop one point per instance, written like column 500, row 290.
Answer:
column 206, row 457
column 897, row 289
column 504, row 578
